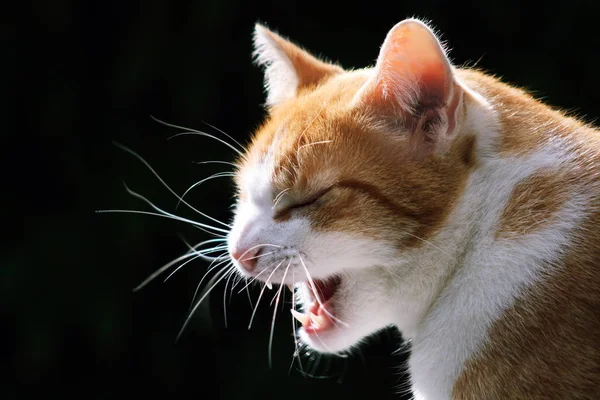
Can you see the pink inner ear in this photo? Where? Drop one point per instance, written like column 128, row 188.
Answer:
column 412, row 68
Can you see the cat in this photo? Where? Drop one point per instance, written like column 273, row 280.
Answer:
column 432, row 198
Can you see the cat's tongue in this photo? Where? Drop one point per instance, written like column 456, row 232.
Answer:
column 318, row 317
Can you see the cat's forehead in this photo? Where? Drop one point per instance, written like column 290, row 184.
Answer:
column 313, row 116
column 308, row 140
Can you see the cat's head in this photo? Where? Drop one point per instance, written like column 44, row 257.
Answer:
column 350, row 171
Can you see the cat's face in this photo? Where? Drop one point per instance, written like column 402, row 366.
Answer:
column 341, row 182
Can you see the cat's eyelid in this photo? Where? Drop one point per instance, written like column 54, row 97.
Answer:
column 305, row 203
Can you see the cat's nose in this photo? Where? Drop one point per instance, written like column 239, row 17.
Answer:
column 247, row 257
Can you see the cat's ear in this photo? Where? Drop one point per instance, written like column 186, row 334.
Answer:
column 288, row 68
column 414, row 81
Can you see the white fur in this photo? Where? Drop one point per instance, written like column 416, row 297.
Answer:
column 281, row 79
column 443, row 296
column 492, row 272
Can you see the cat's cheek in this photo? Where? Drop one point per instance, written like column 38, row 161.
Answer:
column 335, row 252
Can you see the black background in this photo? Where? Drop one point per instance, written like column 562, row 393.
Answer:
column 94, row 72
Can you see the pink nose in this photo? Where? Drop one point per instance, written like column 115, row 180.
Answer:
column 246, row 257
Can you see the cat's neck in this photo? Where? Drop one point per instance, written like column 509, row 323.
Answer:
column 475, row 269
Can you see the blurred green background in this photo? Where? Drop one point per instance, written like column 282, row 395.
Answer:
column 95, row 72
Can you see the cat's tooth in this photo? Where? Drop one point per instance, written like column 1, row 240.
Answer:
column 269, row 285
column 302, row 318
column 289, row 285
column 317, row 320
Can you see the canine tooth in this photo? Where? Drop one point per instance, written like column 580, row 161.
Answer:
column 269, row 285
column 303, row 318
column 317, row 320
column 289, row 285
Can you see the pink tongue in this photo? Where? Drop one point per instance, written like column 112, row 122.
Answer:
column 324, row 309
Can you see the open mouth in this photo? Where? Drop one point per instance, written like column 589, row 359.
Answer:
column 319, row 313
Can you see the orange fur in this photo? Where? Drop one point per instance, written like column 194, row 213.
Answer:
column 371, row 162
column 533, row 204
column 547, row 346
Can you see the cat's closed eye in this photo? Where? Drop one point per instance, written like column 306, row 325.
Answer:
column 308, row 201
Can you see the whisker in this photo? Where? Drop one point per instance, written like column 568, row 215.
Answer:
column 259, row 256
column 211, row 268
column 213, row 176
column 190, row 253
column 429, row 243
column 223, row 132
column 314, row 143
column 279, row 196
column 261, row 294
column 215, row 162
column 251, row 280
column 305, row 129
column 200, row 133
column 238, row 279
column 140, row 158
column 296, row 354
column 315, row 293
column 196, row 132
column 231, row 273
column 169, row 216
column 275, row 314
column 161, row 270
column 258, row 245
column 249, row 298
column 187, row 320
column 182, row 265
column 139, row 196
column 193, row 248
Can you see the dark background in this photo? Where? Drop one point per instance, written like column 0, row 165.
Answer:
column 96, row 72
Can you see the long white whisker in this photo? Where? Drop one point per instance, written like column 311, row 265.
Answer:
column 139, row 196
column 200, row 133
column 249, row 298
column 223, row 132
column 275, row 314
column 165, row 267
column 198, row 254
column 279, row 196
column 211, row 268
column 213, row 176
column 169, row 216
column 187, row 320
column 251, row 280
column 161, row 270
column 261, row 294
column 314, row 143
column 196, row 132
column 231, row 273
column 306, row 129
column 238, row 279
column 164, row 184
column 193, row 248
column 316, row 294
column 215, row 162
column 296, row 350
column 429, row 243
column 259, row 256
column 258, row 245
